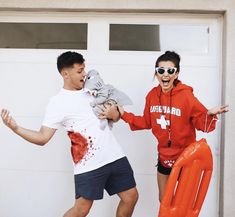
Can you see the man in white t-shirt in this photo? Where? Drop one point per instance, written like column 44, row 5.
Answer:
column 99, row 162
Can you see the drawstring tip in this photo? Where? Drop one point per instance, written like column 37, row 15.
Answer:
column 169, row 143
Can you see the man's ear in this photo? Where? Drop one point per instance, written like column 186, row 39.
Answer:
column 64, row 73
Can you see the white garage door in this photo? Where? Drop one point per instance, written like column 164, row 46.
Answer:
column 123, row 47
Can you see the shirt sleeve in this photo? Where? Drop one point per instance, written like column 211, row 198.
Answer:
column 138, row 122
column 53, row 117
column 201, row 120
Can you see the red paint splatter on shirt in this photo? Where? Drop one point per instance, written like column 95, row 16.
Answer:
column 79, row 146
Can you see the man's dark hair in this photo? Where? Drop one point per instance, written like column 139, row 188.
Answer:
column 68, row 58
column 170, row 56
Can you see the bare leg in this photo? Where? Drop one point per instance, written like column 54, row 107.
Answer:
column 127, row 202
column 161, row 180
column 81, row 208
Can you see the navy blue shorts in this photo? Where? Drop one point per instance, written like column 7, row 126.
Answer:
column 114, row 177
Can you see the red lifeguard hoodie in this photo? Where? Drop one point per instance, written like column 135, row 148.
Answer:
column 177, row 111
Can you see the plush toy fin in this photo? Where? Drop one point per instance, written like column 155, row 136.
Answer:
column 121, row 98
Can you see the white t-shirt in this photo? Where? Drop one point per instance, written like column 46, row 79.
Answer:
column 71, row 110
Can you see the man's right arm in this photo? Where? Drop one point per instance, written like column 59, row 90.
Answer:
column 40, row 137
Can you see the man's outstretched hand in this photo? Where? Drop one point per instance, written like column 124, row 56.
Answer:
column 8, row 120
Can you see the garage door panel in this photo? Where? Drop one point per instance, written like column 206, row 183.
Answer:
column 18, row 154
column 28, row 87
column 29, row 78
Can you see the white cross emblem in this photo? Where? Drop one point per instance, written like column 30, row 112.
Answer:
column 163, row 122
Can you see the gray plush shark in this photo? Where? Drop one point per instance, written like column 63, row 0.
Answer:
column 104, row 95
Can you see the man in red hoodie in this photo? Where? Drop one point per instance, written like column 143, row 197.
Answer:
column 173, row 113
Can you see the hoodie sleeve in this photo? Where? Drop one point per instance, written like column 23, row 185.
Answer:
column 200, row 119
column 139, row 122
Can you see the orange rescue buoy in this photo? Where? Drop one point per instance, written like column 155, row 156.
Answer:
column 188, row 182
